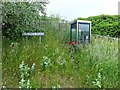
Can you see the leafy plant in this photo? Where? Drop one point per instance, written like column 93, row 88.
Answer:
column 25, row 72
column 46, row 63
column 97, row 81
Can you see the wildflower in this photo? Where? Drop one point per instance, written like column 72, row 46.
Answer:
column 53, row 87
column 63, row 62
column 33, row 66
column 12, row 44
column 45, row 47
column 22, row 81
column 22, row 75
column 28, row 83
column 3, row 86
column 25, row 73
column 58, row 86
column 57, row 50
column 22, row 64
column 45, row 62
column 97, row 81
column 99, row 75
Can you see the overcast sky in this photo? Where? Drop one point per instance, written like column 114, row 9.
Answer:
column 72, row 9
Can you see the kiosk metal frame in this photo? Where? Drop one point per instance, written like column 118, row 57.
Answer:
column 80, row 32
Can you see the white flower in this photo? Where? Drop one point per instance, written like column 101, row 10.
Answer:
column 53, row 87
column 45, row 63
column 22, row 64
column 63, row 62
column 57, row 50
column 99, row 75
column 28, row 83
column 3, row 86
column 33, row 66
column 22, row 75
column 97, row 81
column 58, row 86
column 45, row 47
column 22, row 81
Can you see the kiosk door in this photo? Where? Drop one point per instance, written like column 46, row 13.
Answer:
column 83, row 32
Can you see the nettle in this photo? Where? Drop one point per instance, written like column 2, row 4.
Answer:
column 26, row 72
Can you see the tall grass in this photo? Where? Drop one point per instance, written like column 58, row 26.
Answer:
column 99, row 57
column 93, row 66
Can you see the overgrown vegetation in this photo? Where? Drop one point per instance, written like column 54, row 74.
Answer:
column 54, row 64
column 95, row 65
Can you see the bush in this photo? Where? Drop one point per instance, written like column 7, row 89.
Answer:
column 104, row 24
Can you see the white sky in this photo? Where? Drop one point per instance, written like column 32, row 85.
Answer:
column 72, row 9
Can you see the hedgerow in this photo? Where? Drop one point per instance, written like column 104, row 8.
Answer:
column 104, row 24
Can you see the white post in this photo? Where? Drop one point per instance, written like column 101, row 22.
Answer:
column 39, row 40
column 26, row 38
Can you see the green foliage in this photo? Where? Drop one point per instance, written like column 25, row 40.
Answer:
column 94, row 66
column 25, row 72
column 24, row 17
column 54, row 64
column 104, row 24
column 21, row 17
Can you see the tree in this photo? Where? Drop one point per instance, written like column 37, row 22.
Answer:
column 19, row 17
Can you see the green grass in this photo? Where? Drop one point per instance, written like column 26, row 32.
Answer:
column 0, row 75
column 0, row 59
column 66, row 68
